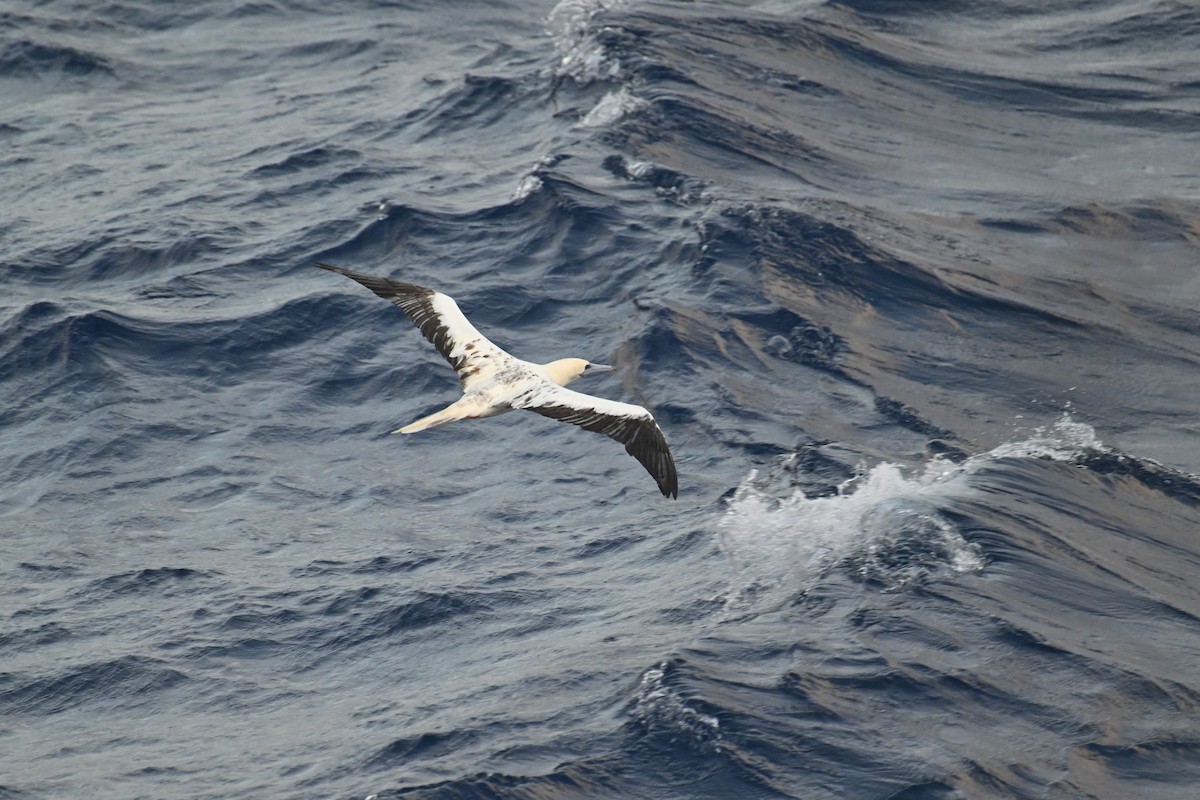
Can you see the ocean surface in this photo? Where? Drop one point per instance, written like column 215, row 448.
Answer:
column 913, row 289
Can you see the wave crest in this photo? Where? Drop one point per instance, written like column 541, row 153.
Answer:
column 887, row 526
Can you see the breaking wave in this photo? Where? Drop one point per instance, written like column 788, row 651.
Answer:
column 890, row 525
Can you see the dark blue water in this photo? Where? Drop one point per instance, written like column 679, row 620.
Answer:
column 912, row 289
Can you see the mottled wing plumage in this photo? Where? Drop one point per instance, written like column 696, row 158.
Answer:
column 632, row 426
column 438, row 318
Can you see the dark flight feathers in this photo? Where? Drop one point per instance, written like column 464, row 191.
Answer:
column 417, row 304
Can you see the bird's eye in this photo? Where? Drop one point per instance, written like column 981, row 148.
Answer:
column 586, row 367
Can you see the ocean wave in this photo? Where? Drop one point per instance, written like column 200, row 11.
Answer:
column 661, row 710
column 582, row 53
column 613, row 107
column 24, row 59
column 849, row 255
column 893, row 529
column 121, row 683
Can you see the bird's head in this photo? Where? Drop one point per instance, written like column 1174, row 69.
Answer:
column 566, row 370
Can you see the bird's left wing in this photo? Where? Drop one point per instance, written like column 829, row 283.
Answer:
column 440, row 321
column 632, row 426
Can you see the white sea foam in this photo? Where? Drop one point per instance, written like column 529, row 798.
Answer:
column 613, row 107
column 581, row 55
column 639, row 169
column 887, row 525
column 529, row 185
column 657, row 705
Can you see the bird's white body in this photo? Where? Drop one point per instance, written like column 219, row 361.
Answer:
column 505, row 382
column 494, row 381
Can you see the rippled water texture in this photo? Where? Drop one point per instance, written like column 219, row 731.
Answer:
column 911, row 289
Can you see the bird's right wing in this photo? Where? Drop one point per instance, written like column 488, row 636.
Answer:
column 632, row 426
column 440, row 321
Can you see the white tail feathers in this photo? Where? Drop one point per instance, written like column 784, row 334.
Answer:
column 432, row 421
column 466, row 408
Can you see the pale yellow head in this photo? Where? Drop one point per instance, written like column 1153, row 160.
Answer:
column 566, row 370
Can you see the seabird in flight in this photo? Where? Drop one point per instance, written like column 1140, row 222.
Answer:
column 494, row 381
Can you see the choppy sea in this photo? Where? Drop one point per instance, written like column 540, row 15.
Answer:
column 913, row 289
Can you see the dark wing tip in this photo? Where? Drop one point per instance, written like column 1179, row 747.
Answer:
column 656, row 458
column 384, row 287
column 648, row 445
column 642, row 437
column 349, row 273
column 416, row 303
column 669, row 484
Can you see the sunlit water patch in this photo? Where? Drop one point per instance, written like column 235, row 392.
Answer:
column 892, row 527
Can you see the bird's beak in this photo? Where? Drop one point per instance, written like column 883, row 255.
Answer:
column 602, row 368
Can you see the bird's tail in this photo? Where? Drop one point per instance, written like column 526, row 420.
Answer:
column 448, row 414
